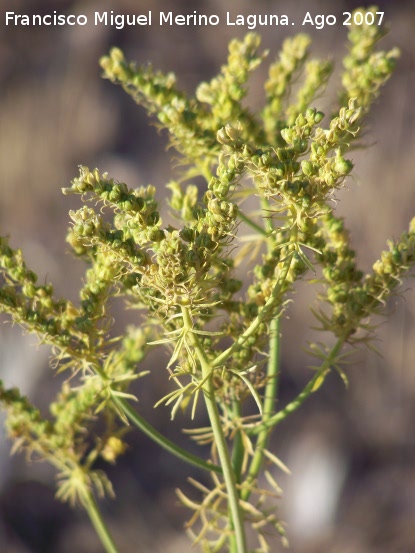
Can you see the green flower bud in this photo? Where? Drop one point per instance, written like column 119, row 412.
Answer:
column 187, row 234
column 205, row 241
column 204, row 93
column 288, row 135
column 301, row 121
column 153, row 218
column 342, row 166
column 155, row 235
column 307, row 168
column 231, row 285
column 310, row 115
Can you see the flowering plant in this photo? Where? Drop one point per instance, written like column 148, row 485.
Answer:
column 223, row 340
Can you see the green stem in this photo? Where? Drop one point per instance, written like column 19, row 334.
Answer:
column 273, row 369
column 252, row 223
column 161, row 440
column 311, row 387
column 138, row 421
column 271, row 388
column 98, row 522
column 220, row 441
column 269, row 228
column 270, row 395
column 238, row 447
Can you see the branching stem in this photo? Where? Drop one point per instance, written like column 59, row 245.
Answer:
column 271, row 388
column 140, row 423
column 310, row 387
column 220, row 441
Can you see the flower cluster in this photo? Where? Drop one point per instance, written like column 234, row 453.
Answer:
column 223, row 338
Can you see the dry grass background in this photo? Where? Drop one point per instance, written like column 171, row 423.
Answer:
column 352, row 453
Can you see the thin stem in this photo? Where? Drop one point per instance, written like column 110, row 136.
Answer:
column 268, row 407
column 269, row 228
column 220, row 441
column 98, row 522
column 238, row 446
column 311, row 387
column 139, row 422
column 252, row 223
column 273, row 369
column 161, row 440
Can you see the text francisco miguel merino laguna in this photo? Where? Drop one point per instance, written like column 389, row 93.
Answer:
column 119, row 21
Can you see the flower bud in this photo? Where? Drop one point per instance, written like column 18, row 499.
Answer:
column 222, row 137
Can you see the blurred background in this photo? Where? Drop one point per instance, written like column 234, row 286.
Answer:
column 351, row 452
